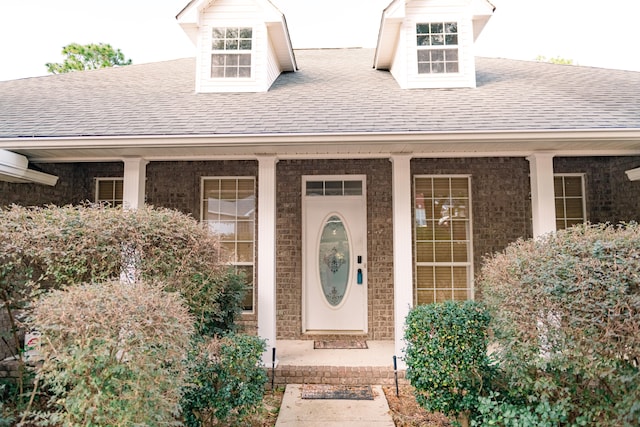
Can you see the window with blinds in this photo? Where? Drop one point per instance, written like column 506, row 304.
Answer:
column 109, row 191
column 443, row 259
column 228, row 209
column 569, row 198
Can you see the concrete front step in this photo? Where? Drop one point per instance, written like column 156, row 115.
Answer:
column 336, row 375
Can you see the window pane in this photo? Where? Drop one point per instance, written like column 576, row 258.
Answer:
column 451, row 54
column 442, row 245
column 245, row 33
column 569, row 201
column 451, row 67
column 424, row 252
column 451, row 39
column 437, row 40
column 437, row 67
column 573, row 186
column 437, row 55
column 423, row 40
column 245, row 44
column 105, row 190
column 244, row 71
column 437, row 28
column 422, row 28
column 229, row 208
column 443, row 252
column 353, row 188
column 426, row 297
column 451, row 27
column 232, row 33
column 333, row 188
column 574, row 208
column 424, row 68
column 315, row 188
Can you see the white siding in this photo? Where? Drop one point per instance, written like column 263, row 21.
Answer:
column 405, row 66
column 229, row 13
column 273, row 66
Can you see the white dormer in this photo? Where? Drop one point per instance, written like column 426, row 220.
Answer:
column 242, row 45
column 429, row 43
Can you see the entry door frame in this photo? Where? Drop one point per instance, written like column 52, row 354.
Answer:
column 306, row 247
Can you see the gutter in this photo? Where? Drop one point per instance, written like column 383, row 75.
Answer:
column 15, row 168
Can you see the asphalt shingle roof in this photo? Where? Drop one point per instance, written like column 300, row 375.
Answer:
column 335, row 91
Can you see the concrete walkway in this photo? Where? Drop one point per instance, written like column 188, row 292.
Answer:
column 296, row 411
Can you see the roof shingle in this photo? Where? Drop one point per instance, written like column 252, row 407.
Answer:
column 335, row 91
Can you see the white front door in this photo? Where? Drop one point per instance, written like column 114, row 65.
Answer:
column 334, row 254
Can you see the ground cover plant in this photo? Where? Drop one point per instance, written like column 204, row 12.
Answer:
column 56, row 252
column 566, row 323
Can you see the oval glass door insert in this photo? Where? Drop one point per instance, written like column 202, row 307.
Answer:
column 334, row 260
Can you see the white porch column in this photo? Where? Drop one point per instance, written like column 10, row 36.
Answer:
column 266, row 272
column 402, row 254
column 543, row 203
column 135, row 175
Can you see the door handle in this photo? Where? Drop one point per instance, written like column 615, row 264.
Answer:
column 359, row 277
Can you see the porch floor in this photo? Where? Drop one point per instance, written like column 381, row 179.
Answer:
column 299, row 363
column 302, row 353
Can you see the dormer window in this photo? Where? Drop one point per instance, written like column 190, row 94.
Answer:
column 231, row 52
column 437, row 45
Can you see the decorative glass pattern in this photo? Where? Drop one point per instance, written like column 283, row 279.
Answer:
column 570, row 203
column 437, row 47
column 442, row 239
column 228, row 210
column 231, row 52
column 334, row 260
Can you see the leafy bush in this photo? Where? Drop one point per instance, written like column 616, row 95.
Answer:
column 54, row 247
column 566, row 316
column 226, row 381
column 446, row 356
column 113, row 354
column 216, row 302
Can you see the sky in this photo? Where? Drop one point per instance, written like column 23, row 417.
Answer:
column 600, row 33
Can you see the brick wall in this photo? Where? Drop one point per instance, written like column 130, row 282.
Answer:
column 289, row 241
column 76, row 184
column 500, row 198
column 610, row 196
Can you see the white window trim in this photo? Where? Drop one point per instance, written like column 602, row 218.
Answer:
column 469, row 264
column 418, row 47
column 97, row 188
column 223, row 52
column 244, row 263
column 582, row 177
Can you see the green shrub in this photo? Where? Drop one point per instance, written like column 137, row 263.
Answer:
column 565, row 315
column 114, row 354
column 226, row 381
column 446, row 356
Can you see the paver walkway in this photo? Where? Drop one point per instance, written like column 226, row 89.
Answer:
column 299, row 412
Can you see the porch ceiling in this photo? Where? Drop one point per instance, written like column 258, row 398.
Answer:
column 460, row 144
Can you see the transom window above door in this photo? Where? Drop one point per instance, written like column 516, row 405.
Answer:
column 437, row 47
column 231, row 52
column 333, row 188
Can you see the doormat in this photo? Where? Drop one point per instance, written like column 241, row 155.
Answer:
column 344, row 392
column 340, row 344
